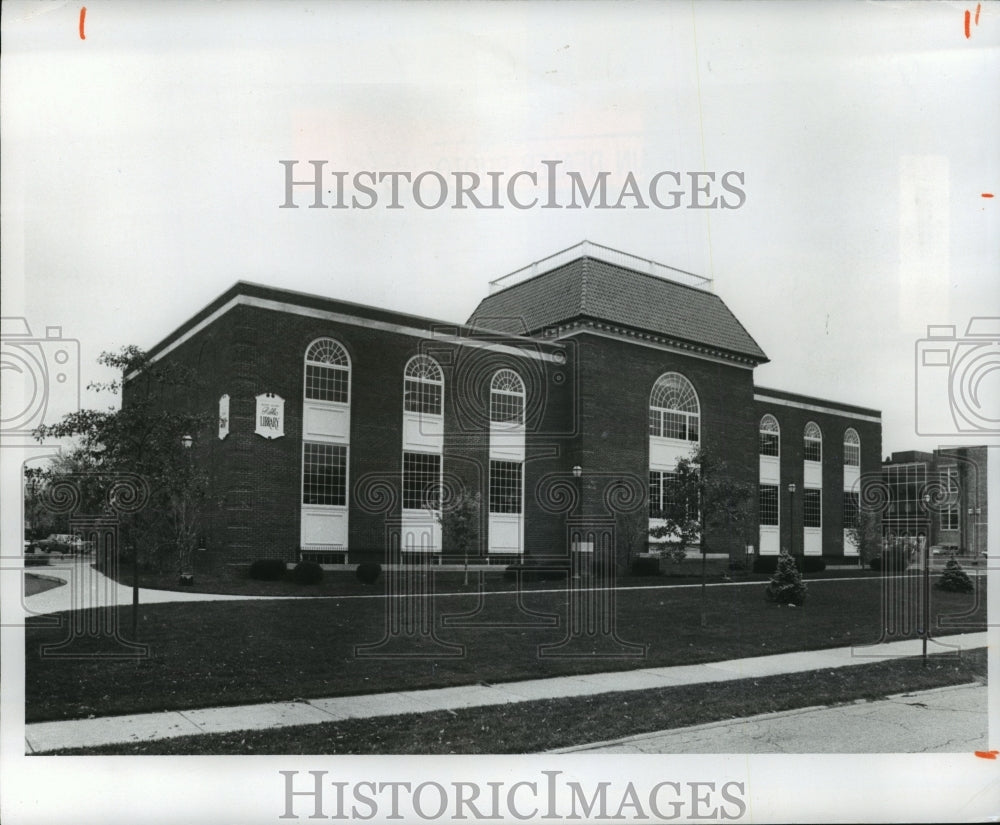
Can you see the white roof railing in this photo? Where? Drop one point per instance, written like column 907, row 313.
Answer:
column 589, row 249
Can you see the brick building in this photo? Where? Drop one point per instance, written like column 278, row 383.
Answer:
column 938, row 497
column 565, row 403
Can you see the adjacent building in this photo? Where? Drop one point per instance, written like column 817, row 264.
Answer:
column 938, row 498
column 564, row 403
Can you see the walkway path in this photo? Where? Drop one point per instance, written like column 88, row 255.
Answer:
column 44, row 736
column 942, row 720
column 87, row 587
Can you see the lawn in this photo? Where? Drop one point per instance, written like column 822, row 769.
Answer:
column 235, row 580
column 221, row 653
column 531, row 727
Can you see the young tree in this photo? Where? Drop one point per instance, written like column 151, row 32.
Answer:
column 786, row 585
column 866, row 534
column 150, row 437
column 459, row 521
column 704, row 498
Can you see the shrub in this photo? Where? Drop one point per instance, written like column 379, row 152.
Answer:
column 786, row 585
column 307, row 572
column 954, row 579
column 645, row 566
column 35, row 561
column 368, row 572
column 268, row 570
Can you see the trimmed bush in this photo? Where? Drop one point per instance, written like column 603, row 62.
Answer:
column 954, row 579
column 35, row 561
column 786, row 585
column 645, row 566
column 268, row 570
column 368, row 572
column 510, row 572
column 307, row 572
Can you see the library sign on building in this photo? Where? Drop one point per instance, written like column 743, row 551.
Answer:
column 270, row 416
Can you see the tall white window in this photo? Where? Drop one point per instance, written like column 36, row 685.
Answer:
column 852, row 488
column 769, row 479
column 326, row 436
column 852, row 448
column 673, row 409
column 507, row 398
column 507, row 451
column 770, row 436
column 812, row 494
column 813, row 442
column 423, row 386
column 423, row 448
column 328, row 372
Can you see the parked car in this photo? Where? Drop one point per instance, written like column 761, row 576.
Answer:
column 63, row 543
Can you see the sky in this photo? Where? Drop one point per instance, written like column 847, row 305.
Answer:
column 144, row 174
column 141, row 177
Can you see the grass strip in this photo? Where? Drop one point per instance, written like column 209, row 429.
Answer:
column 206, row 654
column 535, row 726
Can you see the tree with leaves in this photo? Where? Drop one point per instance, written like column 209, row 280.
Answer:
column 704, row 498
column 459, row 521
column 866, row 534
column 147, row 435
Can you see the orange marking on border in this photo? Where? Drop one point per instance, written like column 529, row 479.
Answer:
column 987, row 194
column 986, row 754
column 978, row 6
column 83, row 17
column 967, row 18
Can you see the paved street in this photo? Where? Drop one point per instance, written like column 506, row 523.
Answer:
column 943, row 720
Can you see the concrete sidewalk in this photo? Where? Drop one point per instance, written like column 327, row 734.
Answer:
column 943, row 720
column 84, row 587
column 45, row 736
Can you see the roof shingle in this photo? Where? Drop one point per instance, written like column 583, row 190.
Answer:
column 591, row 288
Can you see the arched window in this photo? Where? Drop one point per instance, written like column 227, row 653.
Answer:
column 813, row 442
column 507, row 398
column 328, row 372
column 423, row 386
column 852, row 447
column 770, row 436
column 673, row 408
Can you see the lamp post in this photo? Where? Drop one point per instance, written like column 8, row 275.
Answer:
column 574, row 549
column 186, row 576
column 791, row 524
column 926, row 611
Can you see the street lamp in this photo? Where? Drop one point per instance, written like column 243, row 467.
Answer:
column 926, row 612
column 575, row 546
column 791, row 524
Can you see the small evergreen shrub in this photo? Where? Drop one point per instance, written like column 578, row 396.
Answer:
column 268, row 570
column 645, row 566
column 307, row 572
column 35, row 561
column 510, row 572
column 954, row 579
column 786, row 585
column 368, row 572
